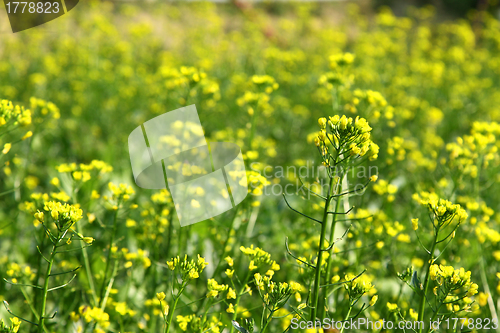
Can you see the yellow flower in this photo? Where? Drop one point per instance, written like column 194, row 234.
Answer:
column 6, row 148
column 193, row 274
column 55, row 181
column 392, row 307
column 231, row 293
column 39, row 216
column 322, row 122
column 230, row 309
column 229, row 272
column 88, row 240
column 28, row 134
column 413, row 314
column 373, row 300
column 171, row 265
column 414, row 223
column 15, row 324
column 160, row 296
column 275, row 266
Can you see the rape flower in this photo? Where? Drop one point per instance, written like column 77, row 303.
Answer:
column 252, row 266
column 28, row 134
column 231, row 294
column 6, row 148
column 392, row 307
column 193, row 274
column 88, row 240
column 160, row 296
column 229, row 273
column 229, row 261
column 414, row 223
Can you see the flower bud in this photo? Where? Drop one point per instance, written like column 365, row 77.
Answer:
column 88, row 240
column 343, row 123
column 414, row 223
column 322, row 122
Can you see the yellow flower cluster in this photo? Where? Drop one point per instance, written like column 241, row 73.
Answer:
column 193, row 79
column 267, row 82
column 13, row 114
column 396, row 147
column 444, row 210
column 256, row 183
column 44, row 108
column 275, row 294
column 450, row 280
column 215, row 288
column 95, row 314
column 18, row 272
column 161, row 197
column 195, row 324
column 99, row 166
column 383, row 187
column 64, row 215
column 259, row 95
column 259, row 257
column 357, row 286
column 471, row 153
column 14, row 326
column 392, row 307
column 190, row 269
column 120, row 192
column 140, row 256
column 342, row 59
column 122, row 309
column 347, row 136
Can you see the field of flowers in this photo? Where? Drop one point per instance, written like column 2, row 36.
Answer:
column 371, row 150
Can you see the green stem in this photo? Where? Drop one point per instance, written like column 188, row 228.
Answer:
column 226, row 242
column 46, row 288
column 110, row 285
column 491, row 305
column 170, row 236
column 88, row 272
column 421, row 307
column 207, row 307
column 30, row 304
column 346, row 318
column 317, row 277
column 268, row 320
column 238, row 297
column 332, row 234
column 108, row 259
column 252, row 128
column 39, row 271
column 171, row 312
